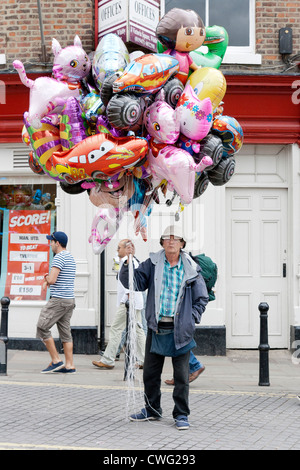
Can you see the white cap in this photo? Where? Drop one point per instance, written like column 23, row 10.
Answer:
column 174, row 230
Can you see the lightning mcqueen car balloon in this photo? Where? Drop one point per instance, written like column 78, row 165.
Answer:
column 99, row 156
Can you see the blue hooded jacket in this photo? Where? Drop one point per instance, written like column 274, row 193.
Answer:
column 192, row 298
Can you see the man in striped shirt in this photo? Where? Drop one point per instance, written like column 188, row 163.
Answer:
column 59, row 308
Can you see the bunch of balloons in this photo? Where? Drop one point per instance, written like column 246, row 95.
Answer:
column 128, row 127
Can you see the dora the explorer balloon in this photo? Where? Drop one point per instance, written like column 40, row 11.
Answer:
column 181, row 31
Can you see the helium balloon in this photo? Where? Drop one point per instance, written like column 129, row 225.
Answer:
column 72, row 126
column 208, row 83
column 222, row 172
column 110, row 57
column 99, row 156
column 178, row 168
column 104, row 226
column 146, row 74
column 216, row 40
column 92, row 106
column 162, row 122
column 231, row 133
column 44, row 141
column 181, row 31
column 115, row 192
column 196, row 115
column 70, row 63
column 47, row 95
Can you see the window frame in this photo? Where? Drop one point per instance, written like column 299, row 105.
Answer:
column 236, row 54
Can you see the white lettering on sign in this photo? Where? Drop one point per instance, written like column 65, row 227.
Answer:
column 27, row 267
column 30, row 219
column 38, row 238
column 17, row 278
column 40, row 256
column 25, row 290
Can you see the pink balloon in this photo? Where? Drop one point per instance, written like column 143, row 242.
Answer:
column 47, row 95
column 104, row 226
column 178, row 168
column 70, row 63
column 162, row 122
column 196, row 114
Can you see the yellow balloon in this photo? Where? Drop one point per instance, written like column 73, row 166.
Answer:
column 208, row 82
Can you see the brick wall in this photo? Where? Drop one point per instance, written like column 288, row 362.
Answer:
column 270, row 17
column 20, row 36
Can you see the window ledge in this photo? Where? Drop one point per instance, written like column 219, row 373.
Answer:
column 242, row 58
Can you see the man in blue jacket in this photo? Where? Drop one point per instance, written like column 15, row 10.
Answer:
column 177, row 297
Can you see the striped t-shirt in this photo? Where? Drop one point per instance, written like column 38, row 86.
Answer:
column 64, row 285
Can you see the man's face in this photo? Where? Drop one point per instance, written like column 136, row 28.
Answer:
column 54, row 246
column 172, row 245
column 121, row 249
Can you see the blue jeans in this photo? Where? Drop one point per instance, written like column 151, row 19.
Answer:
column 194, row 364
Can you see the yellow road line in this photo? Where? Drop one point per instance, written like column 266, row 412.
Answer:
column 165, row 389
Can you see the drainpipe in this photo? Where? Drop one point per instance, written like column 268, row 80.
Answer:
column 44, row 56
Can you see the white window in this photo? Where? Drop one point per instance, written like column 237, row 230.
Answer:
column 236, row 16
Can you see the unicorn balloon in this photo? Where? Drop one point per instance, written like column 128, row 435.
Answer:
column 196, row 119
column 166, row 161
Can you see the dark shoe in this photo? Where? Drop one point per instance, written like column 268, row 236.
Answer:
column 139, row 366
column 52, row 367
column 144, row 415
column 101, row 365
column 181, row 422
column 196, row 374
column 64, row 370
column 170, row 382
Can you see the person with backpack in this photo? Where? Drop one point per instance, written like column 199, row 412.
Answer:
column 209, row 272
column 177, row 297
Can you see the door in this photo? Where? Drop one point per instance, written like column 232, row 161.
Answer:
column 256, row 270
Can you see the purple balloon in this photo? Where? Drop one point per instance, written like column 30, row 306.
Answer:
column 72, row 124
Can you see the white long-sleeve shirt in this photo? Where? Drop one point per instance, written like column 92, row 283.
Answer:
column 122, row 293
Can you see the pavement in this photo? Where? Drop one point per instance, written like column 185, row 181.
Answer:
column 89, row 410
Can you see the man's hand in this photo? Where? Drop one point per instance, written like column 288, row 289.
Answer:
column 129, row 249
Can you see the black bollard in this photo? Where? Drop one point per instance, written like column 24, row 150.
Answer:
column 263, row 345
column 5, row 301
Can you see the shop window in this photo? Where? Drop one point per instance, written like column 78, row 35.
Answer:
column 27, row 215
column 236, row 16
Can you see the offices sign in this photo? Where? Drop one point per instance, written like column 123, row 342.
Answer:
column 133, row 20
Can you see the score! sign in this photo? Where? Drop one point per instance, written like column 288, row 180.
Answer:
column 27, row 255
